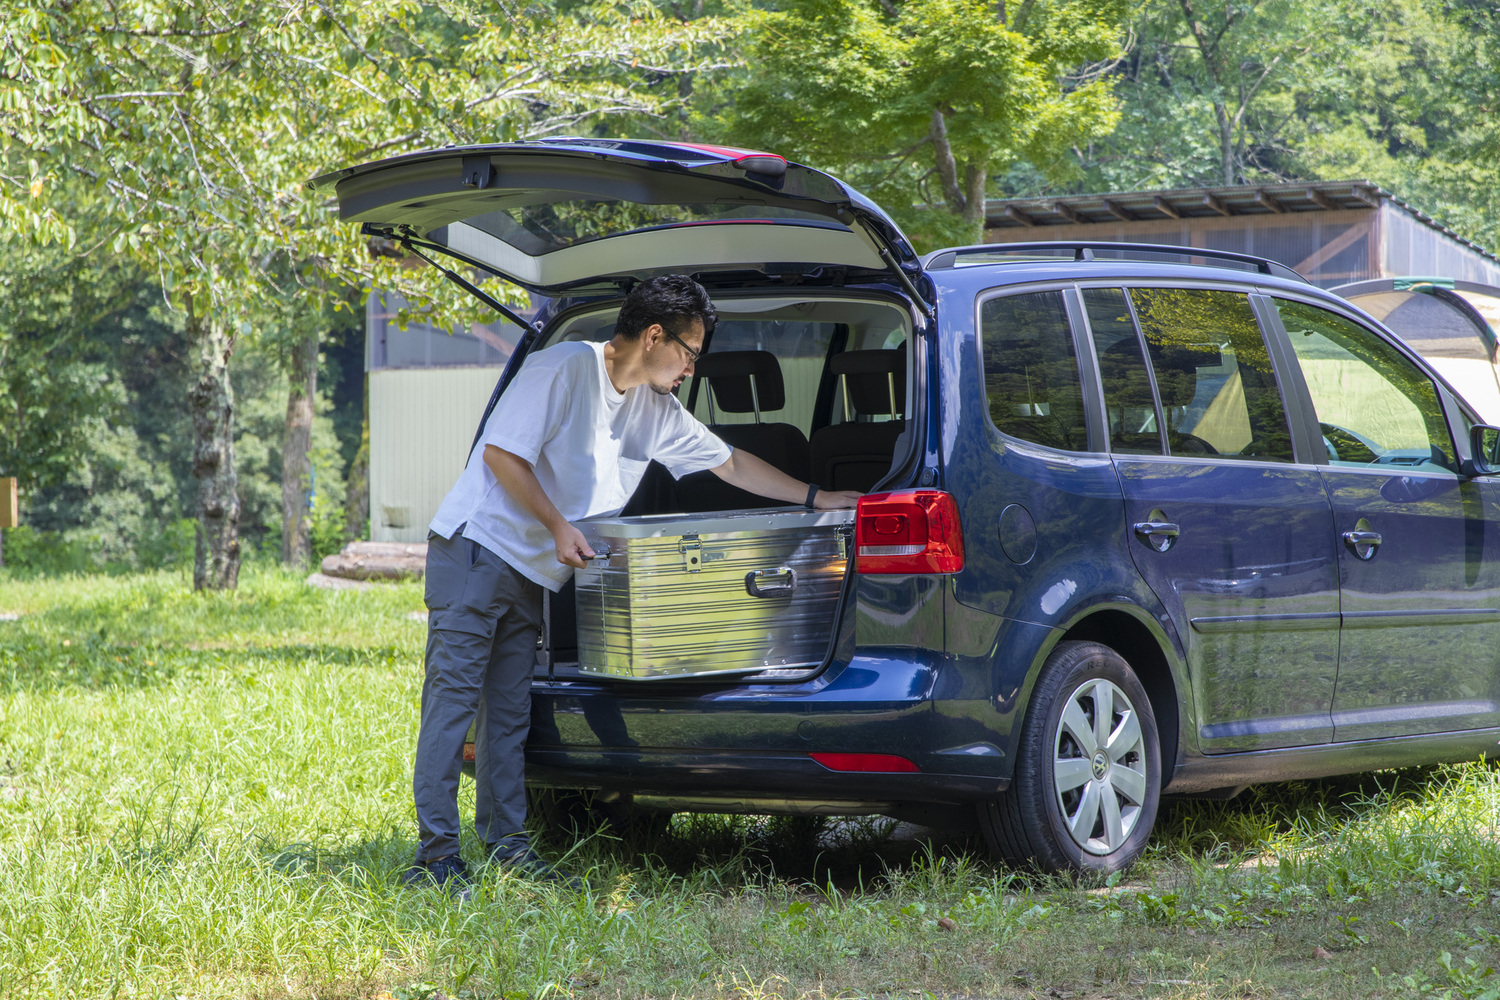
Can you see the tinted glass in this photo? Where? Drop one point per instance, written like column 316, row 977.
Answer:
column 541, row 228
column 1373, row 405
column 1129, row 406
column 1213, row 374
column 1030, row 370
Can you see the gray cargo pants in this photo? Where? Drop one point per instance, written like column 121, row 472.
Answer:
column 481, row 650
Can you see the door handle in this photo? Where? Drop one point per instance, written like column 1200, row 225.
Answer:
column 1160, row 535
column 1362, row 543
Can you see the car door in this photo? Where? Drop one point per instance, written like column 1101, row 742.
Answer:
column 560, row 216
column 1229, row 529
column 1419, row 554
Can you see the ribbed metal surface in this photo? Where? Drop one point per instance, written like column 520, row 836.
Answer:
column 651, row 611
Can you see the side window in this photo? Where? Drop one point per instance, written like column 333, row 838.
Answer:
column 1128, row 404
column 1373, row 405
column 1030, row 370
column 1213, row 374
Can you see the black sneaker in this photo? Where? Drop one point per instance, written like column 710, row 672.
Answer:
column 425, row 874
column 528, row 864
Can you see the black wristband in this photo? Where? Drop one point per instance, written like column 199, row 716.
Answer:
column 812, row 491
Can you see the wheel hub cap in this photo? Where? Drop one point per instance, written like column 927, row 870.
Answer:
column 1099, row 766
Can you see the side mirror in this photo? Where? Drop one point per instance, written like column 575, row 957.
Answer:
column 1484, row 451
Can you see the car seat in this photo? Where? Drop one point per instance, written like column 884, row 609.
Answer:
column 1176, row 370
column 744, row 382
column 856, row 454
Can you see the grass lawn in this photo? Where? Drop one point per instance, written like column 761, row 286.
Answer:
column 208, row 796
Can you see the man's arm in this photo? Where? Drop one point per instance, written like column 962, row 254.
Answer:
column 750, row 473
column 517, row 478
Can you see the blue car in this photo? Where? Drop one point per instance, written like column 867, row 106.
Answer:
column 1138, row 521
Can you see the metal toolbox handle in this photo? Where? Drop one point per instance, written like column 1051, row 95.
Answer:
column 778, row 582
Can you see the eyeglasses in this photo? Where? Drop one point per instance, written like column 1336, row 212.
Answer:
column 693, row 355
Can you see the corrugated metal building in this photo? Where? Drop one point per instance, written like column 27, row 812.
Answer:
column 427, row 392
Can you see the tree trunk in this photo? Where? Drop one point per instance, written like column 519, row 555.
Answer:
column 216, row 562
column 296, row 461
column 975, row 178
column 1226, row 144
column 357, row 499
column 947, row 168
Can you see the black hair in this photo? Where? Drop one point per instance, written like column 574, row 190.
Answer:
column 673, row 300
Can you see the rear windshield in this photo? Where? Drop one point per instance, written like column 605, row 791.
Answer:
column 801, row 333
column 536, row 229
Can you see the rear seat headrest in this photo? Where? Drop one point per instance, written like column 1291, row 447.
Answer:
column 869, row 378
column 729, row 374
column 1177, row 370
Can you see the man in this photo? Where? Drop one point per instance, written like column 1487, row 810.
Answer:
column 569, row 439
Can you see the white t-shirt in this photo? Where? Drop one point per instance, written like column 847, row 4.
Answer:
column 589, row 445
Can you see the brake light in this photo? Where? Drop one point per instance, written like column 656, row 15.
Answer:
column 909, row 531
column 884, row 762
column 746, row 159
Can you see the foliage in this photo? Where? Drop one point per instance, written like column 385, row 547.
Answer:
column 918, row 103
column 98, row 423
column 183, row 134
column 1222, row 92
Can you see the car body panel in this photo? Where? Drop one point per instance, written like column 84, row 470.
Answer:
column 1421, row 637
column 1252, row 582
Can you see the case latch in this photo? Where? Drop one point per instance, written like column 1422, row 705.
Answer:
column 845, row 533
column 692, row 553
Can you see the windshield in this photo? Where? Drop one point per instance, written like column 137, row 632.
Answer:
column 540, row 228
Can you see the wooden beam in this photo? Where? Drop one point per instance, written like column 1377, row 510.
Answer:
column 1320, row 199
column 1209, row 201
column 1016, row 215
column 1264, row 199
column 1118, row 211
column 1069, row 212
column 1165, row 207
column 1373, row 202
column 1332, row 249
column 10, row 504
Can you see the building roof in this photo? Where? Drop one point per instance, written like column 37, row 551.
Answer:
column 1190, row 203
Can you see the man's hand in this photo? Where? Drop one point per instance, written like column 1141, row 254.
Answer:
column 836, row 500
column 572, row 548
column 517, row 478
column 750, row 473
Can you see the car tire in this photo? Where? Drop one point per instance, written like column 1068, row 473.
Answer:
column 1083, row 798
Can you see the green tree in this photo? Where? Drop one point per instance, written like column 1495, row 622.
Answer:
column 1220, row 92
column 922, row 102
column 181, row 134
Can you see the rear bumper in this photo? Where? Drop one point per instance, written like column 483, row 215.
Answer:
column 729, row 781
column 722, row 747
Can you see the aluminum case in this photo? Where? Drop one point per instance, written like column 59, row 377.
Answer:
column 689, row 595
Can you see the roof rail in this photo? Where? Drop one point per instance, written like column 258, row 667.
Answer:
column 1116, row 251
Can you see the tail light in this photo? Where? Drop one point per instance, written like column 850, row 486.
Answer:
column 909, row 531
